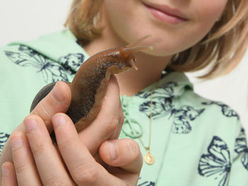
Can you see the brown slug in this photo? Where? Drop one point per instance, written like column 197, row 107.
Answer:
column 88, row 87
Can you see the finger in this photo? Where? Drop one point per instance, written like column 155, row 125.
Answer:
column 123, row 153
column 8, row 174
column 80, row 163
column 58, row 100
column 25, row 170
column 108, row 122
column 47, row 160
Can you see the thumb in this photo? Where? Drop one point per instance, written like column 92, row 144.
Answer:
column 108, row 122
column 57, row 100
column 124, row 153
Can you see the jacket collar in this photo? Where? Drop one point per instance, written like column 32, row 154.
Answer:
column 70, row 54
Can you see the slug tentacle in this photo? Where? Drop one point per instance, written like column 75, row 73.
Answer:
column 137, row 49
column 136, row 43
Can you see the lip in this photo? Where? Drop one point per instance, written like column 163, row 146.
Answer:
column 165, row 14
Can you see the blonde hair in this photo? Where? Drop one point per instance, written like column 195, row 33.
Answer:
column 81, row 19
column 222, row 48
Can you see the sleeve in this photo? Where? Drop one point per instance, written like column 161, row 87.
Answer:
column 14, row 92
column 5, row 129
column 239, row 168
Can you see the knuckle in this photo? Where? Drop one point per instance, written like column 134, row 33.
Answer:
column 53, row 181
column 64, row 144
column 85, row 174
column 112, row 125
column 44, row 108
column 43, row 111
column 38, row 149
column 121, row 119
column 20, row 167
column 57, row 180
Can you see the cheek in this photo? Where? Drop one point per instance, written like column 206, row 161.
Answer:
column 206, row 13
column 129, row 22
column 209, row 9
column 122, row 17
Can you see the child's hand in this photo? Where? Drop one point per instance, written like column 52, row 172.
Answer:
column 58, row 100
column 76, row 160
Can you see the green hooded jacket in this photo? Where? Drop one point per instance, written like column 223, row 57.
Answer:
column 195, row 141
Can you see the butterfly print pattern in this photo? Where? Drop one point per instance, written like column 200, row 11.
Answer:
column 241, row 148
column 225, row 109
column 72, row 61
column 50, row 70
column 146, row 183
column 182, row 118
column 163, row 106
column 216, row 162
column 3, row 139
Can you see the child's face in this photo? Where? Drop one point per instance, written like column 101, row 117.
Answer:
column 132, row 19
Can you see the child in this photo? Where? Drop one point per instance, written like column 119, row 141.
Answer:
column 184, row 138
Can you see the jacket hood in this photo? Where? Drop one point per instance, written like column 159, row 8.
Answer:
column 47, row 46
column 62, row 48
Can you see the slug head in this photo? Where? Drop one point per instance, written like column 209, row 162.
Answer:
column 127, row 54
column 123, row 57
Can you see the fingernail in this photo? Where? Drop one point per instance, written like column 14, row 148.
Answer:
column 112, row 150
column 16, row 141
column 57, row 94
column 30, row 124
column 5, row 169
column 59, row 120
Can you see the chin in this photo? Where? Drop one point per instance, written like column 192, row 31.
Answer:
column 163, row 51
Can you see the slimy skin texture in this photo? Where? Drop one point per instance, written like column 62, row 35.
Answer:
column 90, row 82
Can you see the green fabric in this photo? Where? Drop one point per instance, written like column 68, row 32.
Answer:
column 195, row 141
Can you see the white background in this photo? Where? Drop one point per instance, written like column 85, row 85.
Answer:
column 28, row 19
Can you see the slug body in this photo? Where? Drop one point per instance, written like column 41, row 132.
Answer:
column 90, row 82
